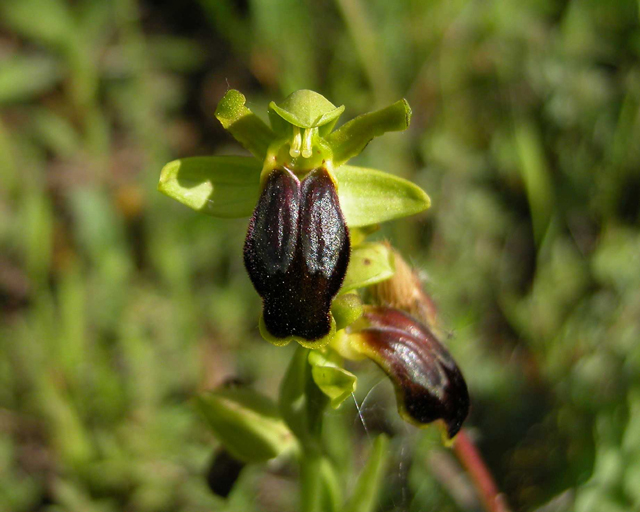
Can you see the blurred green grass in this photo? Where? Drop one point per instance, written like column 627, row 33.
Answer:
column 117, row 305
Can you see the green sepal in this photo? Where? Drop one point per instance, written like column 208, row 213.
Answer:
column 247, row 423
column 370, row 263
column 222, row 186
column 247, row 128
column 305, row 109
column 364, row 496
column 351, row 138
column 346, row 309
column 368, row 196
column 333, row 380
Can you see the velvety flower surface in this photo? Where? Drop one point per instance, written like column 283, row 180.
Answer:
column 429, row 385
column 296, row 253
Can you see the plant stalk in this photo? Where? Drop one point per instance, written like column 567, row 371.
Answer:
column 470, row 457
column 310, row 481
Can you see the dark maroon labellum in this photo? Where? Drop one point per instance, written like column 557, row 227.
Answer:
column 428, row 382
column 296, row 253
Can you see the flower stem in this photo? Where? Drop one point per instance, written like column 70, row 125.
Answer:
column 310, row 481
column 472, row 460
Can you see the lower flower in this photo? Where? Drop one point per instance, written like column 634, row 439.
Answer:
column 428, row 383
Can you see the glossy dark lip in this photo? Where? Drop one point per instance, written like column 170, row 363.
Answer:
column 296, row 253
column 428, row 383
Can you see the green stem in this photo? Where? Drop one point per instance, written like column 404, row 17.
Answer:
column 311, row 481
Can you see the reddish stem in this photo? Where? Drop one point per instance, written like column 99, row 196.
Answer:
column 472, row 460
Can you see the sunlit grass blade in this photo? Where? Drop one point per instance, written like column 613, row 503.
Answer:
column 364, row 497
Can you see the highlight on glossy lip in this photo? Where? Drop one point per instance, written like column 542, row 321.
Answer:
column 429, row 385
column 296, row 253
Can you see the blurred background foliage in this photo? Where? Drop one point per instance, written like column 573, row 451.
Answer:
column 118, row 304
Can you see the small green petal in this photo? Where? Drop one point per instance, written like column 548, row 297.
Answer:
column 247, row 128
column 370, row 263
column 333, row 380
column 222, row 186
column 246, row 423
column 368, row 196
column 352, row 137
column 346, row 309
column 306, row 109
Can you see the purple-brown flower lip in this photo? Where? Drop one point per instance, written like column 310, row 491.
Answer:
column 296, row 253
column 429, row 385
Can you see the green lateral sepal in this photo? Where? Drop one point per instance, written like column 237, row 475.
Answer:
column 221, row 186
column 368, row 196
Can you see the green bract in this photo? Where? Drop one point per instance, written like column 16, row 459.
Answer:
column 333, row 380
column 246, row 423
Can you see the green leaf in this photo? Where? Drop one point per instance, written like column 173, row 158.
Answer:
column 331, row 491
column 368, row 196
column 247, row 128
column 53, row 25
column 364, row 497
column 246, row 423
column 222, row 186
column 370, row 263
column 56, row 132
column 333, row 380
column 352, row 137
